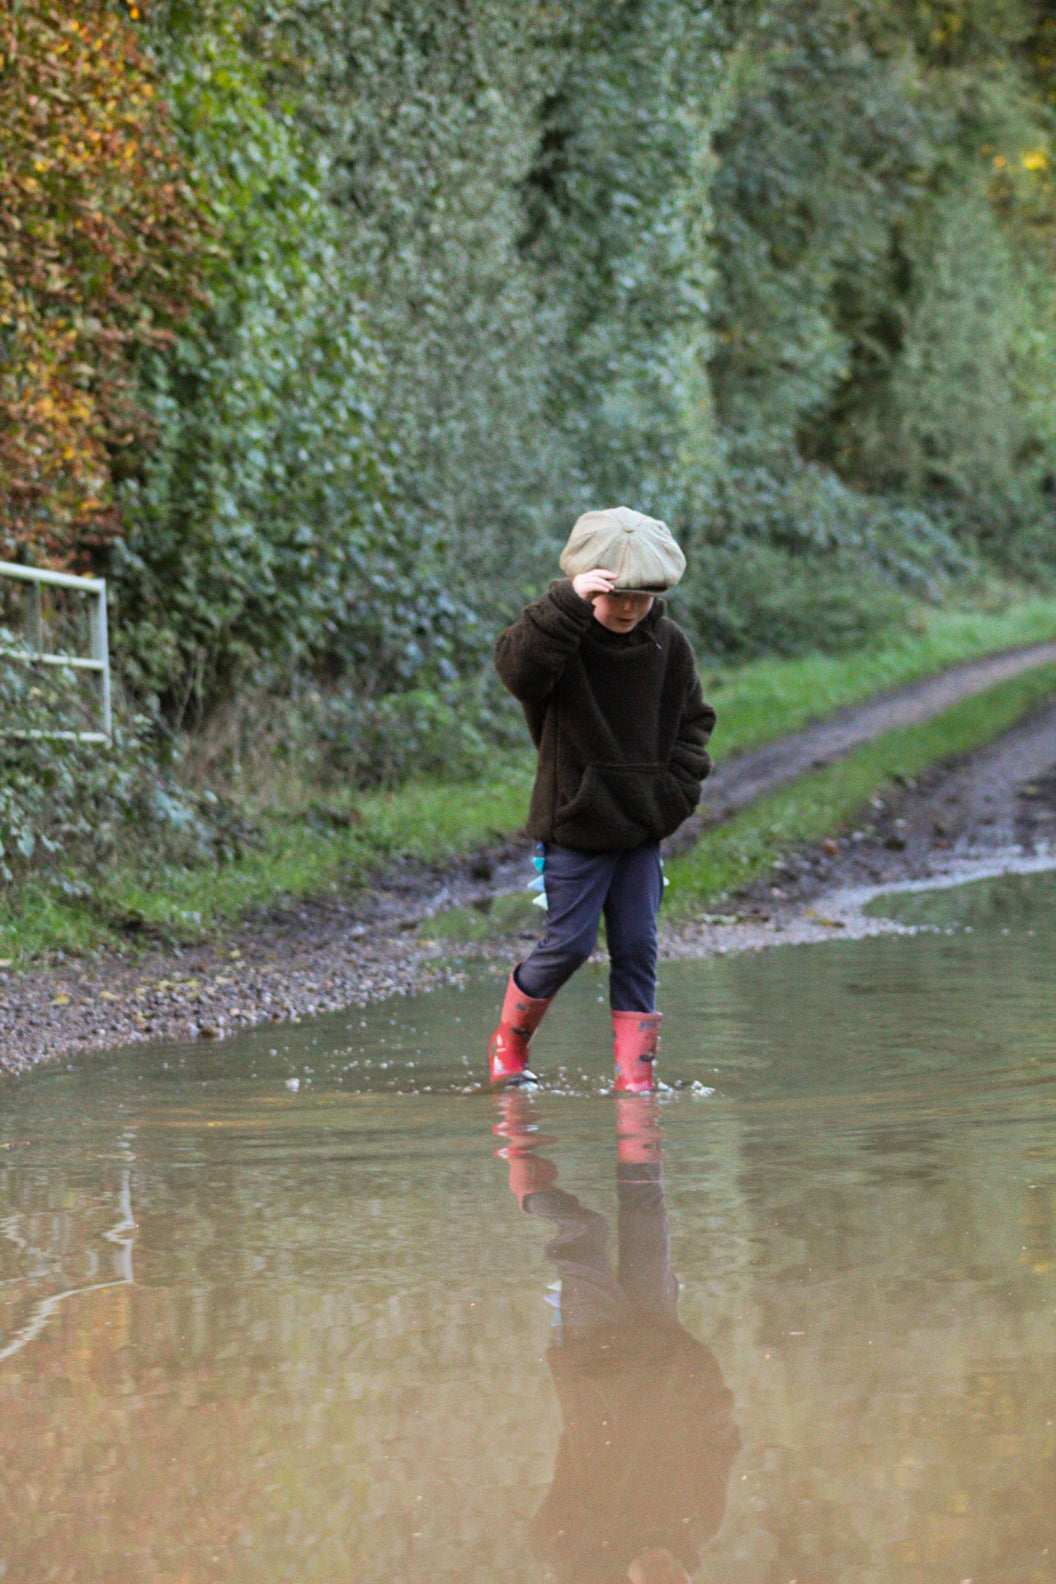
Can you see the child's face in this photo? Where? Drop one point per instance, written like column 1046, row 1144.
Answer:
column 621, row 612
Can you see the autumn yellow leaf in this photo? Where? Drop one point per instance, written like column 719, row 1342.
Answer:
column 103, row 248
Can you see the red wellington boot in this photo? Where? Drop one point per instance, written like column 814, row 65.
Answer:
column 635, row 1036
column 508, row 1046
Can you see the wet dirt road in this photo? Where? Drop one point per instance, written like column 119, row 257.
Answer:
column 319, row 957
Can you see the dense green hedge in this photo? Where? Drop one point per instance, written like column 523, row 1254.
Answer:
column 779, row 273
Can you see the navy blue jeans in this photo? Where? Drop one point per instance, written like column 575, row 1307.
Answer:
column 580, row 887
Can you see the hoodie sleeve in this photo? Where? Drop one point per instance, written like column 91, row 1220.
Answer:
column 531, row 655
column 690, row 759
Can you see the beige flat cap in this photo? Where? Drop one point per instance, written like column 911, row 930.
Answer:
column 639, row 549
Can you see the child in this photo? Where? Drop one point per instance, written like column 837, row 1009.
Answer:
column 610, row 691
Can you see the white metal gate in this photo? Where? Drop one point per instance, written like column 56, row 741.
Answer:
column 32, row 651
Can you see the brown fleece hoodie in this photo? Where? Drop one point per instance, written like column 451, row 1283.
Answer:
column 619, row 720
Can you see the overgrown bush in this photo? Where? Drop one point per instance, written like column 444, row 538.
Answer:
column 463, row 293
column 884, row 296
column 257, row 533
column 102, row 247
column 426, row 119
column 71, row 809
column 752, row 599
column 618, row 224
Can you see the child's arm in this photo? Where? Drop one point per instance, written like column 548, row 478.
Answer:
column 532, row 653
column 690, row 759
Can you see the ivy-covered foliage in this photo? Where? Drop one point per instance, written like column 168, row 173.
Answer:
column 618, row 226
column 884, row 211
column 719, row 264
column 101, row 254
column 425, row 120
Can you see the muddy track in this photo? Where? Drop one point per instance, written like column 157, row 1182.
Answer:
column 735, row 784
column 992, row 811
column 319, row 956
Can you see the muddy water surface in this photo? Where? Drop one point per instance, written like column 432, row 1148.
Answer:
column 271, row 1309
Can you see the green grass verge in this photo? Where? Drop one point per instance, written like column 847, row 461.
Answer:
column 305, row 855
column 770, row 698
column 826, row 801
column 302, row 857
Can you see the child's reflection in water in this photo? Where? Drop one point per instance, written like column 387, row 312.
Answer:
column 640, row 1478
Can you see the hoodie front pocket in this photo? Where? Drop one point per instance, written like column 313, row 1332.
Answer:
column 621, row 805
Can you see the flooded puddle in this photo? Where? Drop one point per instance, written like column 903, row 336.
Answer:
column 271, row 1309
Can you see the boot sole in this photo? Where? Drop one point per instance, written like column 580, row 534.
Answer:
column 522, row 1080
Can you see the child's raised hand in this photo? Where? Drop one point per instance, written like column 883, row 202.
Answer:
column 588, row 585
